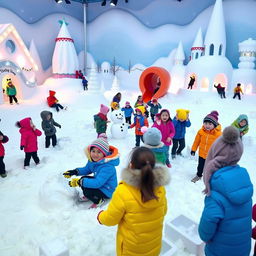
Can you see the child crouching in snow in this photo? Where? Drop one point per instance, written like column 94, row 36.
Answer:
column 102, row 160
column 138, row 206
column 28, row 141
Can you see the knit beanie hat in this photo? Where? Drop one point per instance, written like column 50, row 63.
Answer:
column 182, row 114
column 141, row 109
column 212, row 118
column 225, row 151
column 127, row 103
column 100, row 144
column 104, row 109
column 152, row 136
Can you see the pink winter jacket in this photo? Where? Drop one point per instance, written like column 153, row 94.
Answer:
column 166, row 129
column 28, row 136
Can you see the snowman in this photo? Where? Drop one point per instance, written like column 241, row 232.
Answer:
column 119, row 128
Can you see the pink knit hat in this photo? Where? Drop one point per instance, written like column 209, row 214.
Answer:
column 104, row 109
column 127, row 103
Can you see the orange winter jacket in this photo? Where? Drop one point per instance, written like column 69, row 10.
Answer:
column 138, row 126
column 204, row 139
column 238, row 89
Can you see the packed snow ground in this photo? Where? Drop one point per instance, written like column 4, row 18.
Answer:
column 37, row 205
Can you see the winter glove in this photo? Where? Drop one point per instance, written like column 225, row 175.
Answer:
column 21, row 147
column 70, row 173
column 75, row 182
column 59, row 126
column 192, row 153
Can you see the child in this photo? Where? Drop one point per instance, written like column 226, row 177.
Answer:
column 242, row 124
column 191, row 82
column 139, row 121
column 11, row 92
column 53, row 102
column 204, row 139
column 102, row 160
column 254, row 229
column 48, row 125
column 225, row 223
column 128, row 111
column 237, row 91
column 152, row 140
column 154, row 108
column 28, row 142
column 166, row 127
column 180, row 122
column 220, row 90
column 114, row 106
column 85, row 83
column 101, row 120
column 138, row 206
column 139, row 103
column 3, row 139
column 116, row 99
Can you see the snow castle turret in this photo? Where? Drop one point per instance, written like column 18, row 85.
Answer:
column 247, row 50
column 215, row 39
column 64, row 60
column 197, row 48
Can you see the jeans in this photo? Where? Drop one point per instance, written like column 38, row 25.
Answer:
column 237, row 94
column 167, row 154
column 128, row 120
column 12, row 97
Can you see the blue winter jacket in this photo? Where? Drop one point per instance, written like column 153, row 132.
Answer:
column 104, row 173
column 180, row 128
column 127, row 111
column 226, row 221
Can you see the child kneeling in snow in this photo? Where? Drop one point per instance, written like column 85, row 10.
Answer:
column 102, row 160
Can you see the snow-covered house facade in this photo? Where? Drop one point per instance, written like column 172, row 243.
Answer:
column 16, row 63
column 208, row 62
column 64, row 60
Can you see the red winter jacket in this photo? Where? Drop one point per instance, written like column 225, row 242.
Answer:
column 51, row 99
column 5, row 139
column 28, row 136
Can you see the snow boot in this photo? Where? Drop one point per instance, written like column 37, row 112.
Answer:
column 196, row 178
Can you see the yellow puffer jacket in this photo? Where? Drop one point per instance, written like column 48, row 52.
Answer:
column 139, row 224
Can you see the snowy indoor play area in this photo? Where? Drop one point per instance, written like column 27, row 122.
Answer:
column 70, row 58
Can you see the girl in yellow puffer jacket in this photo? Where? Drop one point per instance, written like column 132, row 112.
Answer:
column 138, row 206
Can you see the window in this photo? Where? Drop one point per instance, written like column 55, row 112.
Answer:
column 220, row 49
column 211, row 50
column 197, row 55
column 10, row 46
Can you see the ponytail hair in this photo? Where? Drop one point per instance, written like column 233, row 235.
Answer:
column 143, row 159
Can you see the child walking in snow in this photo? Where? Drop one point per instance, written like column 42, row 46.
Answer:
column 154, row 108
column 3, row 139
column 242, row 124
column 48, row 126
column 53, row 102
column 139, row 121
column 181, row 122
column 237, row 91
column 28, row 141
column 138, row 206
column 128, row 111
column 102, row 160
column 226, row 222
column 204, row 139
column 152, row 140
column 11, row 92
column 101, row 120
column 166, row 127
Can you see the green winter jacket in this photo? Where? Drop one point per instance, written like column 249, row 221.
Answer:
column 11, row 91
column 243, row 129
column 100, row 124
column 159, row 152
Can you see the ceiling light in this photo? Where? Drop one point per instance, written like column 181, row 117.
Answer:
column 113, row 2
column 103, row 2
column 58, row 1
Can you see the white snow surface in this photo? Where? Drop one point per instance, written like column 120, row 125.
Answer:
column 38, row 206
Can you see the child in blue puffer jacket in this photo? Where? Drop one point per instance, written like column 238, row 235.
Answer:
column 102, row 160
column 181, row 122
column 226, row 221
column 128, row 111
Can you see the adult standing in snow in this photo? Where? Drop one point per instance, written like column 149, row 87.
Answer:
column 11, row 92
column 191, row 82
column 138, row 206
column 226, row 221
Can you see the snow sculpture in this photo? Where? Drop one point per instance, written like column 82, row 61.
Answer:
column 115, row 86
column 64, row 60
column 119, row 128
column 94, row 85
